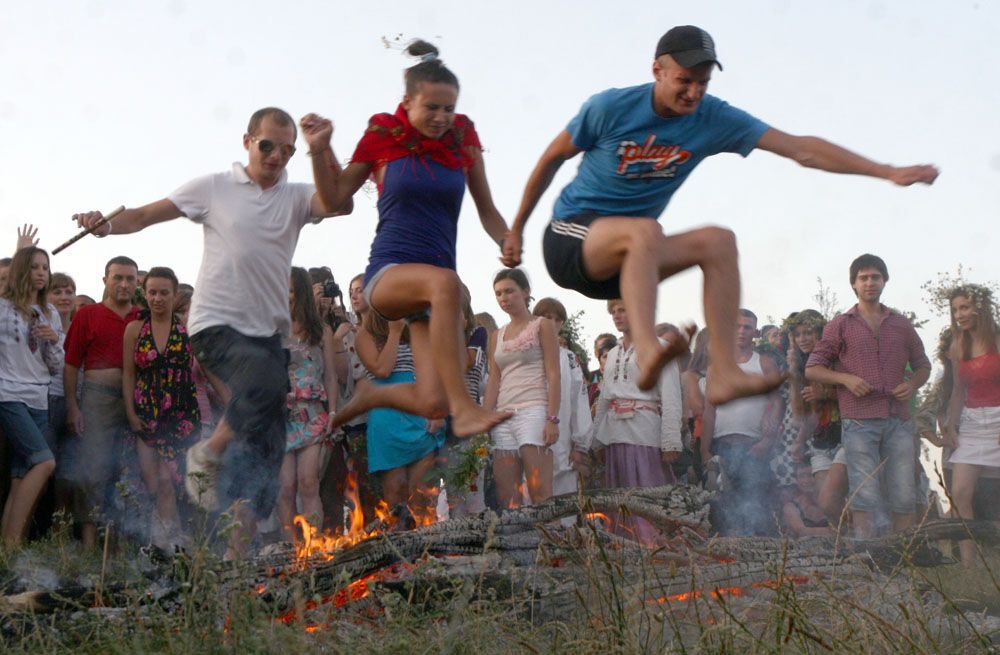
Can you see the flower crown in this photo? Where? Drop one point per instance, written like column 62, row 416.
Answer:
column 940, row 293
column 807, row 317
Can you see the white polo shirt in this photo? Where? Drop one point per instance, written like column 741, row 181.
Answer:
column 250, row 236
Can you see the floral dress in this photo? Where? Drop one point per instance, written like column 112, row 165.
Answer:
column 307, row 414
column 165, row 398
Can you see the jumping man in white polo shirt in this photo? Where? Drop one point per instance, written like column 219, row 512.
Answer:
column 251, row 217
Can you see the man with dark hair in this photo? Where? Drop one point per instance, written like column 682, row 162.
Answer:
column 742, row 433
column 94, row 343
column 252, row 217
column 864, row 353
column 640, row 144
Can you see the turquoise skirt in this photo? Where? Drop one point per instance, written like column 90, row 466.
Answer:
column 395, row 438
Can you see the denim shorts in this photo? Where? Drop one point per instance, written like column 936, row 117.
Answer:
column 25, row 429
column 255, row 371
column 880, row 447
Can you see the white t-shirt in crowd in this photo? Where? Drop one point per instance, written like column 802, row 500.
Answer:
column 250, row 237
column 744, row 415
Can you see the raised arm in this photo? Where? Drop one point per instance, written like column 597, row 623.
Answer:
column 479, row 188
column 560, row 150
column 814, row 152
column 335, row 187
column 131, row 220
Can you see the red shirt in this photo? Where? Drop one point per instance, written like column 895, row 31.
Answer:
column 96, row 337
column 849, row 346
column 981, row 377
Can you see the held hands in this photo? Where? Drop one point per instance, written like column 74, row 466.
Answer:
column 88, row 220
column 510, row 249
column 317, row 132
column 809, row 394
column 26, row 237
column 907, row 175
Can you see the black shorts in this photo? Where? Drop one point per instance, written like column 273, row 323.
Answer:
column 562, row 247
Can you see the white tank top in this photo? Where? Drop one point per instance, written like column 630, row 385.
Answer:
column 744, row 415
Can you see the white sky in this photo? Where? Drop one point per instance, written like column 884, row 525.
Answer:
column 107, row 103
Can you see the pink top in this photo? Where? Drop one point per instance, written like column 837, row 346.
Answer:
column 981, row 377
column 521, row 369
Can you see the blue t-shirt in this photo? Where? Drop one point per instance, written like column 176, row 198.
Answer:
column 634, row 160
column 418, row 209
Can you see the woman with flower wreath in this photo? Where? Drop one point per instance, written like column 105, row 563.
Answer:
column 974, row 414
column 421, row 157
column 161, row 402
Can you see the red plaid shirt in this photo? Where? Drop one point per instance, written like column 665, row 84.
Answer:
column 849, row 346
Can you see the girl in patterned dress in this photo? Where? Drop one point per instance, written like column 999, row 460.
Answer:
column 313, row 387
column 160, row 400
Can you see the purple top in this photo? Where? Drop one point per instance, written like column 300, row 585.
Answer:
column 849, row 346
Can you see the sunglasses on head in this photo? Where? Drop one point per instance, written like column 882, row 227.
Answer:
column 267, row 146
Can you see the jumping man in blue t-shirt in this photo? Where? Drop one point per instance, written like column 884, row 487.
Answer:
column 639, row 146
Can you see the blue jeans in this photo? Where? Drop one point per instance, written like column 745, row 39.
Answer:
column 885, row 442
column 25, row 429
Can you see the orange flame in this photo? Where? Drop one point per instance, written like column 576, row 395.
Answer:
column 317, row 544
column 734, row 591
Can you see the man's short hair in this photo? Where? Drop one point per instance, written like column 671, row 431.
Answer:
column 120, row 260
column 748, row 314
column 868, row 261
column 279, row 116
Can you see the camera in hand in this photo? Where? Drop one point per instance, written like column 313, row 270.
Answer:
column 335, row 315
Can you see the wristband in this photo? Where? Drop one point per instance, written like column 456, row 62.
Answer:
column 554, row 420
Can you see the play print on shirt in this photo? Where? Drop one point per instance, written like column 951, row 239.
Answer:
column 664, row 158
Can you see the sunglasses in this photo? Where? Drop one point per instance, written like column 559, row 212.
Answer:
column 267, row 147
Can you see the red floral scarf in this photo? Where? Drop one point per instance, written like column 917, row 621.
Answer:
column 390, row 137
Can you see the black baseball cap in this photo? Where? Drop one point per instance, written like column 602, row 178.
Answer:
column 688, row 45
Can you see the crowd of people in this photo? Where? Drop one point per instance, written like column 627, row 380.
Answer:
column 191, row 397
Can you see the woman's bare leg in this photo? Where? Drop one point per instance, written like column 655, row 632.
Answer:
column 307, row 463
column 963, row 488
column 408, row 289
column 507, row 474
column 285, row 505
column 538, row 463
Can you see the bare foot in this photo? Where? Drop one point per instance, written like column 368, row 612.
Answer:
column 651, row 363
column 360, row 402
column 475, row 420
column 721, row 388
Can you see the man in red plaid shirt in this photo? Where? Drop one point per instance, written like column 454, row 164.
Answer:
column 864, row 353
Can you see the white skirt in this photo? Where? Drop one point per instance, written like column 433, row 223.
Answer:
column 978, row 437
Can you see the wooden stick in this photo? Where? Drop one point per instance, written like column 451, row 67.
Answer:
column 107, row 219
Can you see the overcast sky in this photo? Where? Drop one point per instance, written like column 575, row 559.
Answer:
column 107, row 103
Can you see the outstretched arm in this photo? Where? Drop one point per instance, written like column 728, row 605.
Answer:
column 489, row 215
column 131, row 220
column 815, row 152
column 559, row 150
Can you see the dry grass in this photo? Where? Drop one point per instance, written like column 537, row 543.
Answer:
column 613, row 608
